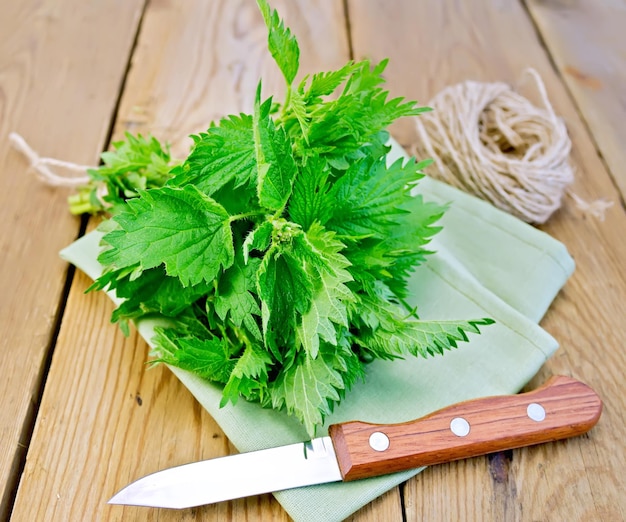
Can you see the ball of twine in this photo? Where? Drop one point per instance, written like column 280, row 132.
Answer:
column 490, row 141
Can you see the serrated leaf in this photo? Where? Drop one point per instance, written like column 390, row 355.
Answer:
column 369, row 198
column 223, row 154
column 135, row 163
column 397, row 248
column 406, row 241
column 281, row 43
column 208, row 358
column 275, row 163
column 235, row 299
column 154, row 292
column 339, row 127
column 387, row 332
column 325, row 83
column 321, row 251
column 310, row 201
column 434, row 337
column 286, row 290
column 181, row 228
column 425, row 338
column 328, row 306
column 258, row 239
column 299, row 108
column 248, row 376
column 366, row 78
column 307, row 390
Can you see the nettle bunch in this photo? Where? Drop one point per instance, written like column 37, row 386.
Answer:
column 279, row 249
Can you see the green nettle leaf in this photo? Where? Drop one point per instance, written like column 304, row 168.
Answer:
column 328, row 306
column 325, row 83
column 340, row 127
column 299, row 107
column 282, row 45
column 422, row 338
column 405, row 241
column 136, row 163
column 276, row 166
column 209, row 358
column 286, row 290
column 223, row 154
column 154, row 292
column 331, row 295
column 258, row 239
column 310, row 201
column 307, row 390
column 236, row 296
column 179, row 227
column 279, row 250
column 321, row 249
column 248, row 376
column 369, row 197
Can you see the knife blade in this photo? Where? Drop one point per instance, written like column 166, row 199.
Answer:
column 563, row 407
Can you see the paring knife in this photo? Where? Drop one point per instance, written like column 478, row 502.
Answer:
column 561, row 408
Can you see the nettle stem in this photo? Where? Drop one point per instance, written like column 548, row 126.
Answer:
column 245, row 215
column 287, row 101
column 412, row 310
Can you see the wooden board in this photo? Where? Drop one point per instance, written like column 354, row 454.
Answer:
column 194, row 62
column 587, row 43
column 105, row 418
column 61, row 68
column 441, row 43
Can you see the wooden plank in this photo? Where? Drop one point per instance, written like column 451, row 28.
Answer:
column 104, row 419
column 60, row 71
column 442, row 43
column 587, row 43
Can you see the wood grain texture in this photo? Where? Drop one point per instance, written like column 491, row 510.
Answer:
column 494, row 424
column 106, row 419
column 587, row 43
column 199, row 61
column 60, row 73
column 446, row 42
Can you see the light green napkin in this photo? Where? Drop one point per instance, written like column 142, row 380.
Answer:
column 487, row 264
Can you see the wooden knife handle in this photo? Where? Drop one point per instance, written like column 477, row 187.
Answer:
column 561, row 408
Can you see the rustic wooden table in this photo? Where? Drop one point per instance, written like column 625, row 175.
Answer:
column 80, row 416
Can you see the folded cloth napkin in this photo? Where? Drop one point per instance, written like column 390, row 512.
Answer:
column 487, row 264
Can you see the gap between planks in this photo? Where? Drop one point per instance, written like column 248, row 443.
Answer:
column 574, row 99
column 31, row 419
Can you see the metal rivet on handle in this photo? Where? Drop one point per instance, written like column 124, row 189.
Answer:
column 460, row 427
column 536, row 412
column 379, row 441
